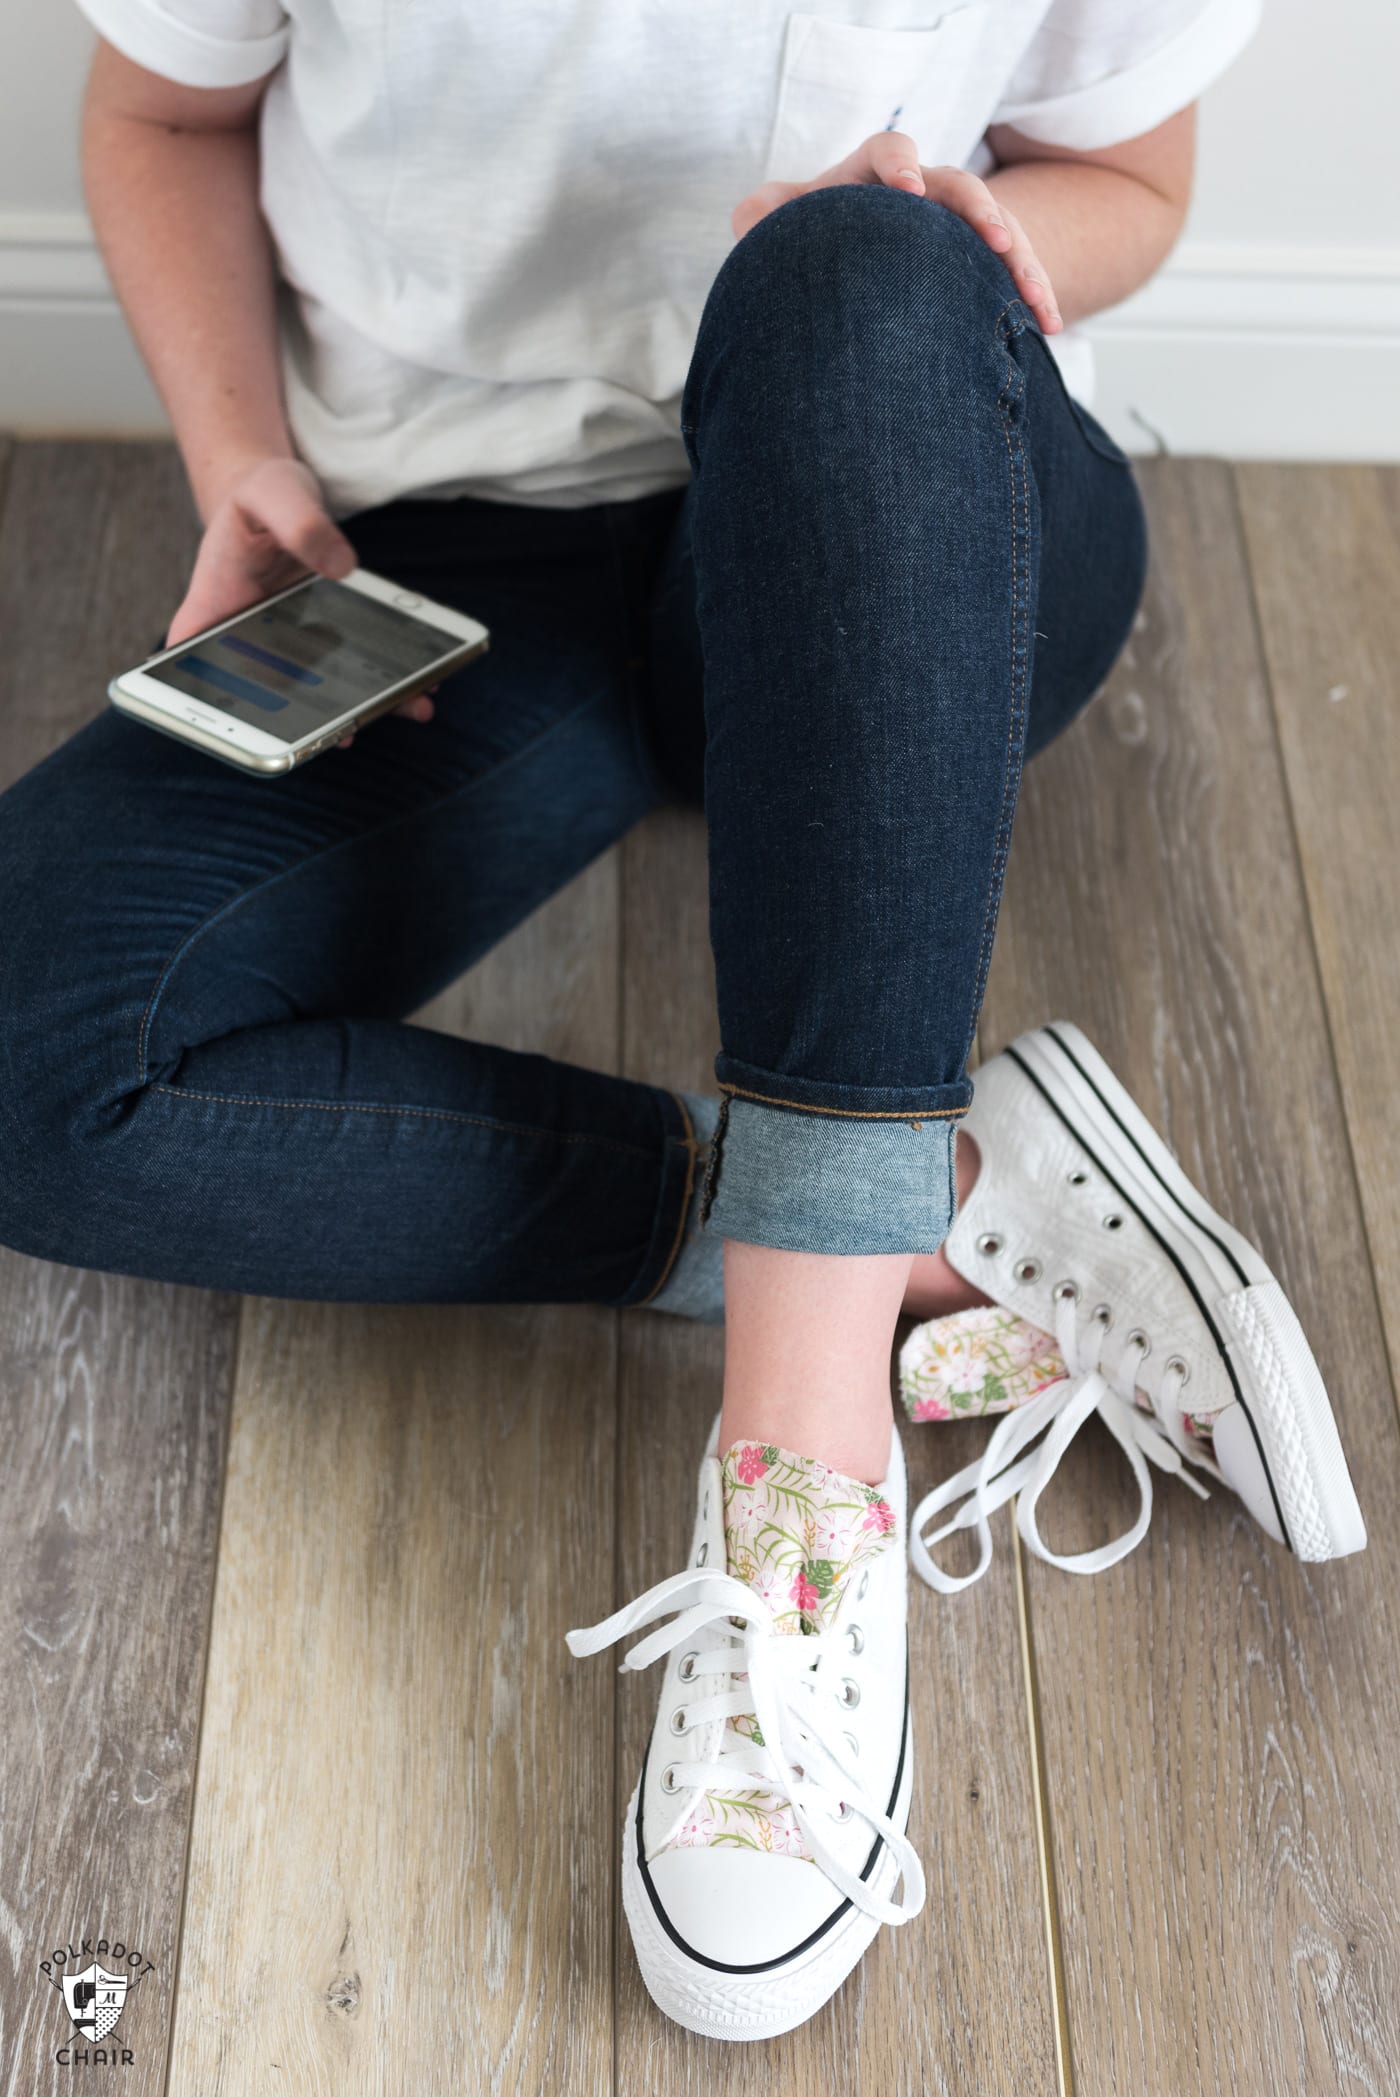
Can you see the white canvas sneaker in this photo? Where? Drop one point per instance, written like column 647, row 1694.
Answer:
column 1165, row 1321
column 765, row 1838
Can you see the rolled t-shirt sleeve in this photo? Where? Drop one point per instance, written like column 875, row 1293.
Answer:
column 1099, row 71
column 201, row 43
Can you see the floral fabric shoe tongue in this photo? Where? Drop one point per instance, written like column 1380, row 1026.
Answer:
column 794, row 1530
column 987, row 1360
column 990, row 1360
column 973, row 1362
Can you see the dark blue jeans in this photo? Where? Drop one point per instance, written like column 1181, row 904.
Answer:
column 905, row 558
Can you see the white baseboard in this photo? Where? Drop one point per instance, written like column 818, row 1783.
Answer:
column 1257, row 352
column 1245, row 351
column 68, row 365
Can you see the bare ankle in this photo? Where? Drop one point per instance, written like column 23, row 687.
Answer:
column 807, row 1349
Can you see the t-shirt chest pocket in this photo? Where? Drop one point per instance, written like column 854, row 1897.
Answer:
column 842, row 80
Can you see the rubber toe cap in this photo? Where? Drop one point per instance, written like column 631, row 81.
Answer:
column 740, row 1907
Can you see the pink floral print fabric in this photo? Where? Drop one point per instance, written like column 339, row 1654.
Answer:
column 987, row 1360
column 795, row 1530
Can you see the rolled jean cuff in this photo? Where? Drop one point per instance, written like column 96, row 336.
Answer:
column 827, row 1182
column 858, row 1102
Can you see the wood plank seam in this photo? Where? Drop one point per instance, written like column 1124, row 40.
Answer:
column 176, row 1962
column 614, row 1788
column 1040, row 1792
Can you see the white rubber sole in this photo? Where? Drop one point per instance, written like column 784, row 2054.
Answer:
column 1277, row 1381
column 725, row 2004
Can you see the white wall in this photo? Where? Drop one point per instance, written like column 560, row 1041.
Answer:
column 44, row 48
column 1273, row 332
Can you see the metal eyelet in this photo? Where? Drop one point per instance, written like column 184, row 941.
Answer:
column 849, row 1692
column 703, row 1553
column 1113, row 1222
column 1180, row 1367
column 864, row 1584
column 1067, row 1292
column 989, row 1244
column 668, row 1778
column 852, row 1743
column 1138, row 1338
column 686, row 1670
column 705, row 1508
column 1103, row 1315
column 855, row 1638
column 1028, row 1270
column 678, row 1719
column 1079, row 1177
column 843, row 1811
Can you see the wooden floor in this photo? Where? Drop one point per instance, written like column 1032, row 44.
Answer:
column 283, row 1588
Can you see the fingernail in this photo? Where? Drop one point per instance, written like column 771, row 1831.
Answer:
column 910, row 174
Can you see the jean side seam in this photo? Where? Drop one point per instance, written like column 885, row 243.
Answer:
column 712, row 1168
column 912, row 1115
column 1020, row 514
column 352, row 1106
column 192, row 938
column 692, row 1152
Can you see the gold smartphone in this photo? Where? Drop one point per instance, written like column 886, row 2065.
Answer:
column 288, row 677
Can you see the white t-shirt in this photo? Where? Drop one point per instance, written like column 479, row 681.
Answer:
column 497, row 223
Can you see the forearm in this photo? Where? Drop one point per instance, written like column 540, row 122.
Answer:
column 177, row 218
column 1098, row 232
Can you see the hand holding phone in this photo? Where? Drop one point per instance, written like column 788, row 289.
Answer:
column 268, row 526
column 297, row 672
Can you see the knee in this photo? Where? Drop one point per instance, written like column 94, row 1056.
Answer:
column 862, row 255
column 878, row 320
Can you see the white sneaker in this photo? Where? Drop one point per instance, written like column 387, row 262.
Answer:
column 1168, row 1323
column 765, row 1837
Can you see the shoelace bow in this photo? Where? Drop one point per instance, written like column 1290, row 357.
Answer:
column 1002, row 1471
column 785, row 1690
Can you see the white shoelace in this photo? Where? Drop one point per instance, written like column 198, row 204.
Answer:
column 1062, row 1408
column 789, row 1693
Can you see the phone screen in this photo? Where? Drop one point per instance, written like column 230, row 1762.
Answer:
column 296, row 665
